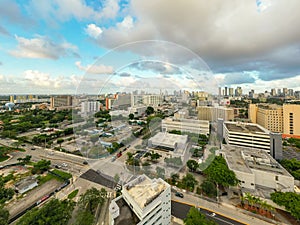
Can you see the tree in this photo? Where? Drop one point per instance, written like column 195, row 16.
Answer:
column 24, row 160
column 189, row 182
column 60, row 141
column 91, row 198
column 131, row 116
column 290, row 200
column 149, row 110
column 192, row 165
column 174, row 178
column 4, row 215
column 219, row 173
column 195, row 217
column 41, row 166
column 5, row 193
column 84, row 217
column 54, row 212
column 209, row 188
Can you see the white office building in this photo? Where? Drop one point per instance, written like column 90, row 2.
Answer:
column 143, row 201
column 185, row 125
column 90, row 106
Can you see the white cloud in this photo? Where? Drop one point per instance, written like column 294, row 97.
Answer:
column 93, row 31
column 95, row 69
column 42, row 47
column 64, row 10
column 127, row 23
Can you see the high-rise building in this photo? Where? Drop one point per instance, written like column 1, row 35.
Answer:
column 267, row 115
column 230, row 91
column 220, row 91
column 238, row 91
column 285, row 91
column 277, row 118
column 90, row 106
column 226, row 92
column 61, row 102
column 273, row 92
column 291, row 121
column 213, row 113
column 143, row 201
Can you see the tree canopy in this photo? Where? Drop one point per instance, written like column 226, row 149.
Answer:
column 55, row 212
column 194, row 217
column 290, row 200
column 192, row 165
column 293, row 166
column 219, row 173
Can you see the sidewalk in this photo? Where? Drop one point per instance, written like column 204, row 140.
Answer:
column 223, row 209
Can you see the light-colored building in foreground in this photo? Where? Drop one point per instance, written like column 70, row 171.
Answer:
column 257, row 169
column 185, row 125
column 143, row 201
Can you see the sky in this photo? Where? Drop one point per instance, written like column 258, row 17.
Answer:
column 93, row 46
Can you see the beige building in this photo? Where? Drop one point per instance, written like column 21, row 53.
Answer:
column 267, row 115
column 277, row 118
column 61, row 102
column 213, row 113
column 291, row 119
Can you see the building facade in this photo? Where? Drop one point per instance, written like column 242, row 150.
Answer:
column 61, row 102
column 185, row 125
column 90, row 106
column 143, row 201
column 256, row 169
column 277, row 118
column 252, row 136
column 213, row 113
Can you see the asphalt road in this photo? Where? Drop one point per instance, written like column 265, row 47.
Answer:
column 180, row 211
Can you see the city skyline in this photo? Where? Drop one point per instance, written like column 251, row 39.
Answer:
column 48, row 48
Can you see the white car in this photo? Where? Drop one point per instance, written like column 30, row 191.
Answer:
column 64, row 164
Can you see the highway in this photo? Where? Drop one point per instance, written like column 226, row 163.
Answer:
column 181, row 210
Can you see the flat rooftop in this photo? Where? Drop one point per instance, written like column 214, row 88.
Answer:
column 143, row 190
column 245, row 127
column 169, row 139
column 246, row 159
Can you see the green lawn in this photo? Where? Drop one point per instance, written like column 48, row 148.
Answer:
column 73, row 194
column 3, row 158
column 62, row 174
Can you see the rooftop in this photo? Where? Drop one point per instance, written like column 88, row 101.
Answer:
column 143, row 190
column 169, row 139
column 245, row 127
column 245, row 159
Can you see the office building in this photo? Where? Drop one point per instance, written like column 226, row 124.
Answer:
column 230, row 91
column 61, row 102
column 213, row 113
column 122, row 101
column 152, row 100
column 277, row 118
column 185, row 125
column 291, row 120
column 143, row 201
column 238, row 91
column 167, row 141
column 226, row 92
column 269, row 116
column 90, row 106
column 257, row 169
column 253, row 136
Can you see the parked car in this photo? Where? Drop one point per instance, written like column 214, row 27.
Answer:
column 179, row 194
column 85, row 162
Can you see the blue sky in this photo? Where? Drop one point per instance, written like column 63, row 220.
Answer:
column 50, row 46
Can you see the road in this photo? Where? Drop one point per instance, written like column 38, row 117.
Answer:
column 180, row 211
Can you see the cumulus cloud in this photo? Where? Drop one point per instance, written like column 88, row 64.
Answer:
column 95, row 69
column 224, row 34
column 127, row 23
column 42, row 47
column 93, row 30
column 238, row 78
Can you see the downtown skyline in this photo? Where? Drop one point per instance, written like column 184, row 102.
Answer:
column 47, row 48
